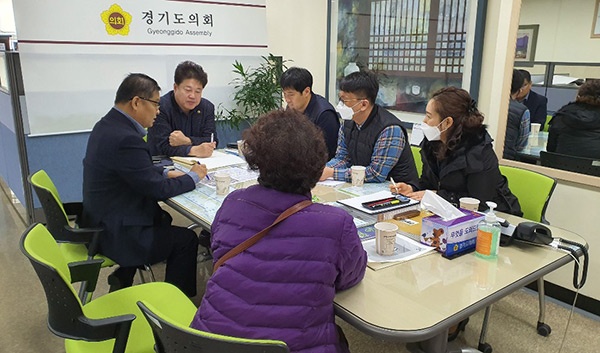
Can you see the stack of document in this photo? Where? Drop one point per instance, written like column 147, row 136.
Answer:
column 217, row 160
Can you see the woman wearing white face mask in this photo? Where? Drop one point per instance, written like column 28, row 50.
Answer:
column 458, row 156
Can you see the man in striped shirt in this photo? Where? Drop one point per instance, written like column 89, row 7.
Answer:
column 370, row 136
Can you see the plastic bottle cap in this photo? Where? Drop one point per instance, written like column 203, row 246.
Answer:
column 490, row 216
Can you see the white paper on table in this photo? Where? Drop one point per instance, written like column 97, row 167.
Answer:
column 405, row 249
column 331, row 182
column 217, row 160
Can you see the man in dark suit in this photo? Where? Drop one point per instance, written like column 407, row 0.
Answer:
column 536, row 103
column 121, row 188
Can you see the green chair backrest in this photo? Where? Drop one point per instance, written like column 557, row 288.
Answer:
column 170, row 334
column 41, row 180
column 39, row 245
column 532, row 189
column 547, row 125
column 416, row 151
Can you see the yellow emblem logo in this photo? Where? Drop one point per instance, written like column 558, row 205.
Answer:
column 116, row 20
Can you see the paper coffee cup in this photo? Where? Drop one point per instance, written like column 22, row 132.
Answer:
column 385, row 238
column 469, row 203
column 535, row 128
column 358, row 175
column 222, row 181
column 240, row 145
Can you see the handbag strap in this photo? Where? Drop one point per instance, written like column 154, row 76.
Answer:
column 256, row 237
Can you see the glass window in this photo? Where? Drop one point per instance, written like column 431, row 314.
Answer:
column 415, row 47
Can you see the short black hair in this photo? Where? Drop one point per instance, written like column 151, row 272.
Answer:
column 189, row 69
column 136, row 84
column 287, row 149
column 517, row 81
column 297, row 78
column 361, row 83
column 526, row 75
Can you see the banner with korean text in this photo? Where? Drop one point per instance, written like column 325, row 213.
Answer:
column 75, row 53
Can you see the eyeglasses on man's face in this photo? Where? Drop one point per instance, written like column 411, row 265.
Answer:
column 156, row 103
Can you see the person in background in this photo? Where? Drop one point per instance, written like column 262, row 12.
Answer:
column 121, row 188
column 458, row 156
column 575, row 128
column 297, row 83
column 186, row 123
column 536, row 103
column 283, row 286
column 518, row 125
column 370, row 136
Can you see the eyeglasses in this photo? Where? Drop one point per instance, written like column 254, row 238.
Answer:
column 350, row 100
column 156, row 103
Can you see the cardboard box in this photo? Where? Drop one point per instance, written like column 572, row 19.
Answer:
column 454, row 237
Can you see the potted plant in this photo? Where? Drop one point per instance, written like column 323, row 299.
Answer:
column 256, row 91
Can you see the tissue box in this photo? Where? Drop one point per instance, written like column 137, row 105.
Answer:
column 453, row 237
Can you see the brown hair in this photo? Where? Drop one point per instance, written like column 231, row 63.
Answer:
column 456, row 103
column 287, row 149
column 589, row 93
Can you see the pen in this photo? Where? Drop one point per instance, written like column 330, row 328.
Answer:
column 207, row 177
column 395, row 186
column 212, row 136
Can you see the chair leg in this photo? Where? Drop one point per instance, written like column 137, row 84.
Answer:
column 543, row 329
column 483, row 346
column 146, row 268
column 84, row 295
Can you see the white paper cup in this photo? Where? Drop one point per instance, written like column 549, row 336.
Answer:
column 469, row 203
column 535, row 128
column 240, row 144
column 358, row 175
column 222, row 180
column 385, row 238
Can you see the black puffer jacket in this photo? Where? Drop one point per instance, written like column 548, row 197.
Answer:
column 471, row 169
column 575, row 130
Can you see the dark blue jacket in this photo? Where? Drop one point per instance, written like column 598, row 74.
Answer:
column 121, row 188
column 197, row 125
column 538, row 108
column 323, row 114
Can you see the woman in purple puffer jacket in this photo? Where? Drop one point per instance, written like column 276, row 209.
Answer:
column 283, row 286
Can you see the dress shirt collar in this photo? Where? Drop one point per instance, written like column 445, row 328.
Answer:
column 137, row 125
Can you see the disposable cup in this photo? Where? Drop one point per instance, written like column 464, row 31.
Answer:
column 535, row 128
column 358, row 175
column 385, row 238
column 469, row 203
column 240, row 145
column 222, row 181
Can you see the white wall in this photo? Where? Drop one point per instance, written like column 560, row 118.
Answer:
column 7, row 19
column 297, row 30
column 565, row 28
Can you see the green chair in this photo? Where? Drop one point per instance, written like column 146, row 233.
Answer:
column 172, row 334
column 532, row 189
column 109, row 323
column 416, row 152
column 76, row 244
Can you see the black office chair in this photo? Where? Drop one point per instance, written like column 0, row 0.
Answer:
column 174, row 335
column 575, row 164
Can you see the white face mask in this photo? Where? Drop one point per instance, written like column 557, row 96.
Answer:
column 345, row 111
column 432, row 133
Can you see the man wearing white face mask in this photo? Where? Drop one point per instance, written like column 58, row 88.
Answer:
column 370, row 136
